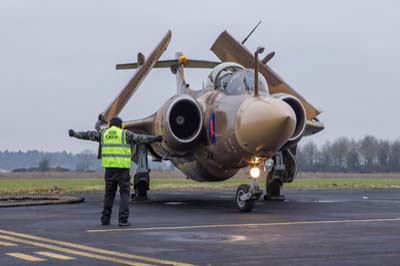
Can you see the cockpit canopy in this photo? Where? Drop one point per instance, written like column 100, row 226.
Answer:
column 232, row 78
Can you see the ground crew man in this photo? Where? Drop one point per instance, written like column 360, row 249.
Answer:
column 116, row 159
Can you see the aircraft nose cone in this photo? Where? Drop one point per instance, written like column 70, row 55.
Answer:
column 264, row 124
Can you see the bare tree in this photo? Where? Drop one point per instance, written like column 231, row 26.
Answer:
column 382, row 152
column 339, row 150
column 352, row 156
column 325, row 157
column 44, row 165
column 368, row 147
column 310, row 151
column 394, row 156
column 85, row 160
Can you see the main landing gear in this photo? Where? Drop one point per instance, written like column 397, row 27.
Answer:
column 141, row 181
column 284, row 170
column 274, row 182
column 274, row 186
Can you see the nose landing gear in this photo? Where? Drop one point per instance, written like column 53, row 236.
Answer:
column 247, row 194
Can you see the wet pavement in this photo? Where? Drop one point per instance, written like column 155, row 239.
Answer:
column 311, row 227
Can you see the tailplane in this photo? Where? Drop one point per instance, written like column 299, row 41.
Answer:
column 177, row 67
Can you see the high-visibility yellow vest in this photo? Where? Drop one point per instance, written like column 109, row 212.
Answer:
column 115, row 151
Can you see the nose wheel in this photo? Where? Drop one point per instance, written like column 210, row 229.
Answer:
column 246, row 195
column 244, row 204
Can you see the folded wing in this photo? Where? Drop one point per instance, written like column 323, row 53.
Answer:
column 227, row 49
column 120, row 101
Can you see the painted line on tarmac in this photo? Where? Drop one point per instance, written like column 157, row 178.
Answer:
column 208, row 226
column 71, row 251
column 54, row 255
column 7, row 244
column 23, row 256
column 86, row 248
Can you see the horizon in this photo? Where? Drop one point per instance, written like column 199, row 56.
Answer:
column 301, row 143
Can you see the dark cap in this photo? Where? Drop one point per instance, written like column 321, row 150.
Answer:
column 116, row 121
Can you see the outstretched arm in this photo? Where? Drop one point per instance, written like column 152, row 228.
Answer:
column 86, row 135
column 140, row 138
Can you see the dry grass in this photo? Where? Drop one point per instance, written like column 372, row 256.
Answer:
column 318, row 175
column 177, row 174
column 70, row 182
column 100, row 175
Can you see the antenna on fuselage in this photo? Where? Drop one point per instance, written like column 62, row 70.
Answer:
column 251, row 32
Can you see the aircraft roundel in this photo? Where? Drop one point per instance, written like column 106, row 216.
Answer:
column 211, row 128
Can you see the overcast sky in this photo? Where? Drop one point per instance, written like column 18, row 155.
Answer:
column 57, row 60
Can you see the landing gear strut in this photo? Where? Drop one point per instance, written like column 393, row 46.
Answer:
column 142, row 177
column 284, row 170
column 247, row 194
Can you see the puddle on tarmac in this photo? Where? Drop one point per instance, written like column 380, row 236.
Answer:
column 175, row 203
column 199, row 237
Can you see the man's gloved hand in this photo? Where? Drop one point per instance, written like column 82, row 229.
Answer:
column 71, row 133
column 158, row 138
column 99, row 124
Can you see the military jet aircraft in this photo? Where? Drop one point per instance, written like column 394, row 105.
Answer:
column 245, row 116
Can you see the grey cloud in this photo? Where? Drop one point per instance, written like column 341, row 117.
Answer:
column 58, row 58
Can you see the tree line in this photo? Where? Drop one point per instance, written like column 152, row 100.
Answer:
column 343, row 154
column 85, row 160
column 368, row 154
column 43, row 161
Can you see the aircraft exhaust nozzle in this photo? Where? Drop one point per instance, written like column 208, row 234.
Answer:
column 264, row 124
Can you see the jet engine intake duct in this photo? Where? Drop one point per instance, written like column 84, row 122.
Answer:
column 301, row 118
column 184, row 122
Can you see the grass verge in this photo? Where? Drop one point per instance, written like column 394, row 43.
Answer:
column 71, row 185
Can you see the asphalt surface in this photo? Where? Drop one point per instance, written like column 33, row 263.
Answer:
column 312, row 227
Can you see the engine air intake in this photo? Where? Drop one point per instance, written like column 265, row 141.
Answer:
column 300, row 116
column 184, row 120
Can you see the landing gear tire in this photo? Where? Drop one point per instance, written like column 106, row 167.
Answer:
column 244, row 205
column 140, row 192
column 274, row 191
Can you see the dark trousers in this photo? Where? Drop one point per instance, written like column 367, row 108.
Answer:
column 114, row 178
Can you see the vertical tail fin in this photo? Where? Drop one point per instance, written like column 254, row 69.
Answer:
column 181, row 84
